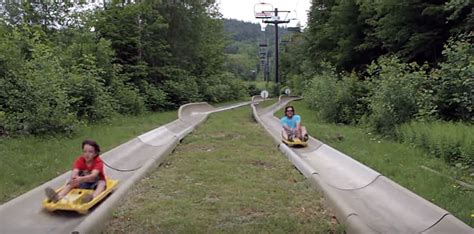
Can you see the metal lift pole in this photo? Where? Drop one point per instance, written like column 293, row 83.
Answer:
column 277, row 77
column 275, row 22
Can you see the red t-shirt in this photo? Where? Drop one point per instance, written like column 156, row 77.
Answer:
column 96, row 164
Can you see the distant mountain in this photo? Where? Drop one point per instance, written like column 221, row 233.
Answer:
column 250, row 32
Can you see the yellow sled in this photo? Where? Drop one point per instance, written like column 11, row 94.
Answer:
column 295, row 143
column 73, row 200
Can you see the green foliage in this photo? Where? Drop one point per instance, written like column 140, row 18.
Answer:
column 454, row 82
column 394, row 93
column 128, row 100
column 89, row 98
column 352, row 33
column 452, row 142
column 319, row 95
column 36, row 98
column 222, row 87
column 181, row 88
column 253, row 89
column 241, row 65
column 336, row 100
column 155, row 97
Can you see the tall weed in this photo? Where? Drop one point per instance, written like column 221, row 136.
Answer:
column 453, row 142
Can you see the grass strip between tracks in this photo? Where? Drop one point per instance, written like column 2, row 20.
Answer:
column 226, row 176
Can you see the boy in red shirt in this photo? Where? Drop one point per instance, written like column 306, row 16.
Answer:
column 87, row 173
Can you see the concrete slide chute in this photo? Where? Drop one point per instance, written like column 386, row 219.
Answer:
column 25, row 214
column 363, row 200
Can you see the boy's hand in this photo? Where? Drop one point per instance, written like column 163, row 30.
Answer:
column 75, row 182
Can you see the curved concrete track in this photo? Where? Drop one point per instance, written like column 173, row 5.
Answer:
column 25, row 214
column 363, row 199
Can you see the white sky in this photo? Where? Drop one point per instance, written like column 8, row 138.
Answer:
column 244, row 9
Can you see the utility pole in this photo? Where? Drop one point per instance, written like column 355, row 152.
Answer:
column 276, row 21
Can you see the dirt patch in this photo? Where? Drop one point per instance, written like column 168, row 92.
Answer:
column 226, row 136
column 261, row 163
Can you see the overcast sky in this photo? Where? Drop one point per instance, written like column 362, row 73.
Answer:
column 244, row 9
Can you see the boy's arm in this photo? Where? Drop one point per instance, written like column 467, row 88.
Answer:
column 284, row 125
column 298, row 122
column 75, row 173
column 89, row 178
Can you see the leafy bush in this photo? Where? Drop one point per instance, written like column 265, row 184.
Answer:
column 89, row 97
column 252, row 89
column 454, row 82
column 181, row 88
column 394, row 89
column 222, row 87
column 453, row 142
column 296, row 83
column 128, row 99
column 319, row 95
column 155, row 98
column 339, row 101
column 37, row 101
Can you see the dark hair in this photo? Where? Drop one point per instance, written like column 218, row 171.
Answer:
column 287, row 107
column 93, row 144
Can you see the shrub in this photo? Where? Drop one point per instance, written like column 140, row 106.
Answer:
column 89, row 98
column 319, row 95
column 155, row 98
column 222, row 87
column 181, row 88
column 337, row 100
column 393, row 98
column 37, row 101
column 454, row 82
column 128, row 99
column 252, row 89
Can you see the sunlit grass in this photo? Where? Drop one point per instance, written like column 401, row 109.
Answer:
column 225, row 177
column 397, row 161
column 28, row 161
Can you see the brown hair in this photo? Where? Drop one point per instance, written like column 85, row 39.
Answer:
column 93, row 144
column 286, row 108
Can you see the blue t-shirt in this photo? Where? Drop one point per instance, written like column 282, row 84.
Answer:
column 290, row 122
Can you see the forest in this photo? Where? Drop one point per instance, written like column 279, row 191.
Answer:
column 404, row 69
column 63, row 64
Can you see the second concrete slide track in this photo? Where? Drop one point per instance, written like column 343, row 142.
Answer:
column 364, row 200
column 25, row 214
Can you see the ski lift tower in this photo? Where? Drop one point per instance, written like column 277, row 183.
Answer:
column 263, row 11
column 275, row 20
column 263, row 55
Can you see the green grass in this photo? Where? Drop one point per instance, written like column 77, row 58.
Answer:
column 226, row 176
column 28, row 161
column 398, row 161
column 453, row 142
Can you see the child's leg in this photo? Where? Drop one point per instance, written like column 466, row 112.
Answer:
column 55, row 197
column 284, row 134
column 64, row 191
column 100, row 188
column 304, row 133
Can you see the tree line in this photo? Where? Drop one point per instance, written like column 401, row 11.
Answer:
column 390, row 61
column 60, row 66
column 388, row 65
